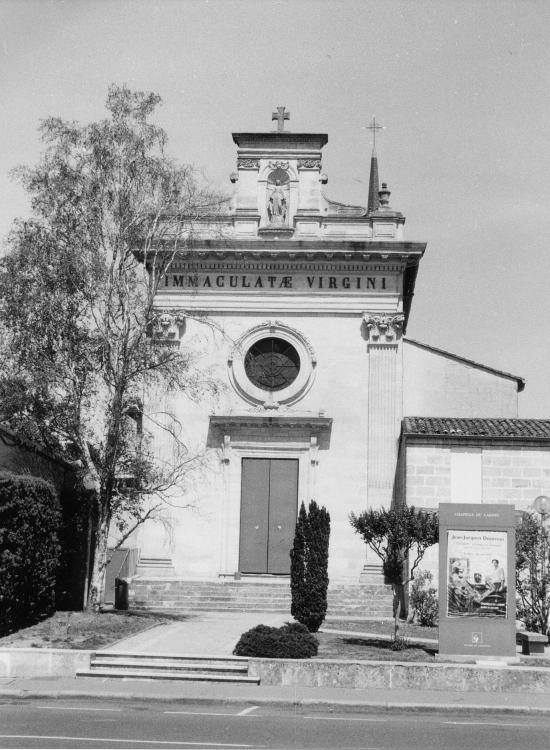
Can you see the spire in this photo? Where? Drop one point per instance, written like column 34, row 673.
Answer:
column 374, row 187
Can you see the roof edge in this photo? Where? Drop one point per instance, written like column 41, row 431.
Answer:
column 408, row 433
column 519, row 380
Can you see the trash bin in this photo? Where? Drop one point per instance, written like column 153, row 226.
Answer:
column 121, row 593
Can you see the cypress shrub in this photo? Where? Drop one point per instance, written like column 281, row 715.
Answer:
column 291, row 641
column 29, row 550
column 309, row 566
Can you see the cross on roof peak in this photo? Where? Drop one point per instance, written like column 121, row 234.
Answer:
column 280, row 115
column 373, row 127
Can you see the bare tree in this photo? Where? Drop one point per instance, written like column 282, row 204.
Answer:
column 81, row 338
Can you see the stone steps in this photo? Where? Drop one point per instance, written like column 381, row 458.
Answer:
column 132, row 666
column 176, row 595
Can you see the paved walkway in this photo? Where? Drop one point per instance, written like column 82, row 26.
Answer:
column 203, row 634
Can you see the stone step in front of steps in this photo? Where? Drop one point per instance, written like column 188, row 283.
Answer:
column 146, row 665
column 159, row 666
column 161, row 657
column 137, row 674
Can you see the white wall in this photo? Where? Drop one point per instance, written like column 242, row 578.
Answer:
column 436, row 385
column 196, row 543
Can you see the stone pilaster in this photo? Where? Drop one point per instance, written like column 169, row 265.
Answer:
column 383, row 333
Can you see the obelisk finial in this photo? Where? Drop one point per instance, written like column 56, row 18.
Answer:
column 374, row 200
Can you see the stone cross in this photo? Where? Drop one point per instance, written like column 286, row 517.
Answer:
column 280, row 115
column 373, row 127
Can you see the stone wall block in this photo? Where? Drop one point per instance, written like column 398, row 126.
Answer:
column 400, row 675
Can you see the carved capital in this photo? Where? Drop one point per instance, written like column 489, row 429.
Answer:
column 383, row 329
column 309, row 163
column 279, row 165
column 248, row 163
column 167, row 327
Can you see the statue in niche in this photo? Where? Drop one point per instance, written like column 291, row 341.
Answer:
column 276, row 205
column 278, row 196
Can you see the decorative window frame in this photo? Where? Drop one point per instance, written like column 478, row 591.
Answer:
column 272, row 399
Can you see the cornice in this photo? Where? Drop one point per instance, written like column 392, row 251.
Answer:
column 263, row 419
column 409, row 252
column 282, row 140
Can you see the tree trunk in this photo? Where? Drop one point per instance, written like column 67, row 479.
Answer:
column 399, row 606
column 396, row 610
column 97, row 579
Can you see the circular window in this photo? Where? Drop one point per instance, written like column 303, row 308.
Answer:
column 272, row 364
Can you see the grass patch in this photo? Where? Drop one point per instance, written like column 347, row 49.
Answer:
column 368, row 649
column 381, row 627
column 83, row 630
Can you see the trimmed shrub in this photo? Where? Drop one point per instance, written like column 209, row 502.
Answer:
column 309, row 566
column 29, row 550
column 423, row 599
column 291, row 641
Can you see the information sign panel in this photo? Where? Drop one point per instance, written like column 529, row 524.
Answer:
column 477, row 580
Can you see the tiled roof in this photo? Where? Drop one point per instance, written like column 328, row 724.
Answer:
column 501, row 429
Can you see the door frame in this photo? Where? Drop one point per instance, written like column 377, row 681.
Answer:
column 268, row 518
column 264, row 435
column 231, row 513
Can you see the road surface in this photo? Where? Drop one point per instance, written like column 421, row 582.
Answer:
column 128, row 724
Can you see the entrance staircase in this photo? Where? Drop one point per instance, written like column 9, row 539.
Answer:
column 128, row 666
column 361, row 600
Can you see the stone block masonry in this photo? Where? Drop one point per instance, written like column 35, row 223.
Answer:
column 352, row 600
column 401, row 675
column 514, row 474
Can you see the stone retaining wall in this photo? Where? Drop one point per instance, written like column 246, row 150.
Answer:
column 42, row 662
column 401, row 675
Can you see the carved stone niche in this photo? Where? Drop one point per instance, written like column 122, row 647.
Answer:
column 278, row 196
column 167, row 327
column 383, row 328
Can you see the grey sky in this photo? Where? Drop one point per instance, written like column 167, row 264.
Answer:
column 463, row 89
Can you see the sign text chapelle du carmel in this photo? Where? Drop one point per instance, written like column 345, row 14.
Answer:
column 296, row 282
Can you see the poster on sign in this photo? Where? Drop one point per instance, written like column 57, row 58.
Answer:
column 476, row 568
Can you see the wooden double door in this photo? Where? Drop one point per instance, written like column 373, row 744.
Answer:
column 269, row 506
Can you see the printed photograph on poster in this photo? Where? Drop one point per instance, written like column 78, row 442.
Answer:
column 476, row 565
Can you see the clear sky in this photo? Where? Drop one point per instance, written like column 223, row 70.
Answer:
column 462, row 88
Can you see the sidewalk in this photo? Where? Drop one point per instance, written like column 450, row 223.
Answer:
column 326, row 699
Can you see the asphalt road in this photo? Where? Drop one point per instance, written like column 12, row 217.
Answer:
column 99, row 724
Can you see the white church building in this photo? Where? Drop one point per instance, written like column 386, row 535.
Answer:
column 322, row 394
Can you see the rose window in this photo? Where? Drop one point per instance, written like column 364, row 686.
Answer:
column 272, row 364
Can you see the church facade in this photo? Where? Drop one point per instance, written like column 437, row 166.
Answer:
column 297, row 306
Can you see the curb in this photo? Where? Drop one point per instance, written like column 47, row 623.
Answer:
column 309, row 703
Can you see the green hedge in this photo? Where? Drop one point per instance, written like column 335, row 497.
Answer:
column 291, row 641
column 29, row 550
